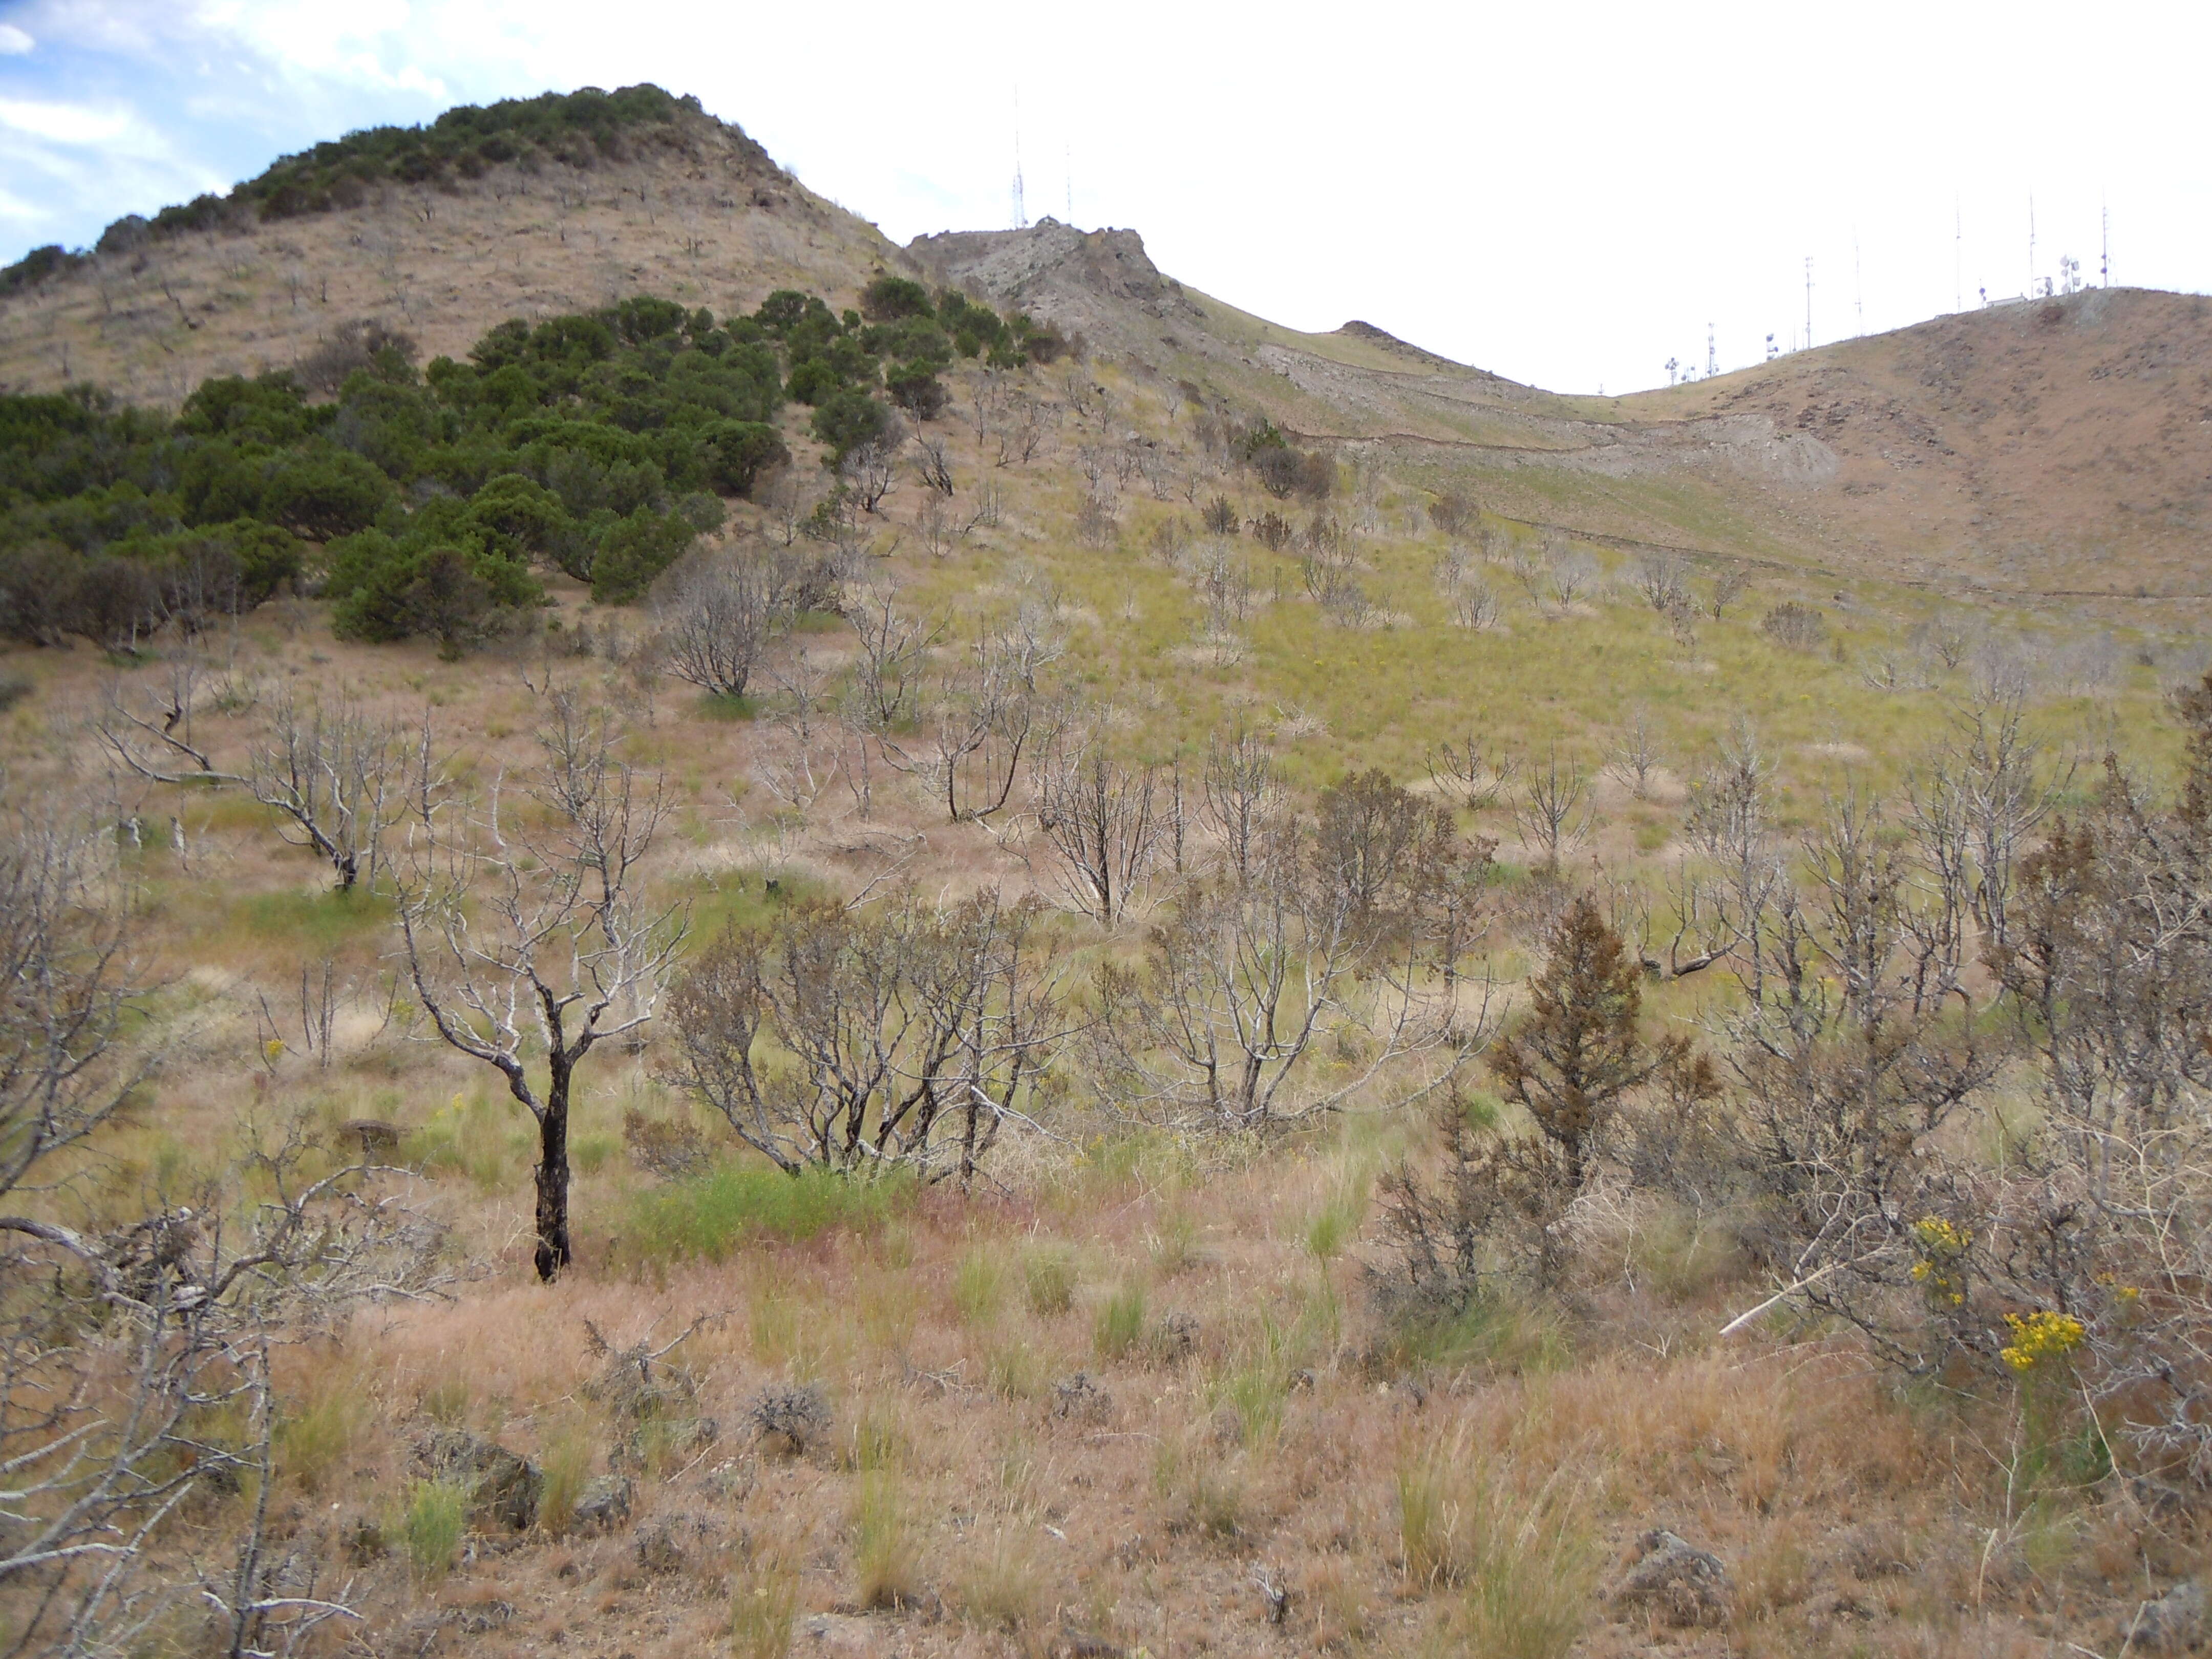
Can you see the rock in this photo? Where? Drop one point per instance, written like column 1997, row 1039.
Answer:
column 1081, row 1399
column 798, row 1416
column 1178, row 1336
column 604, row 1503
column 834, row 1633
column 376, row 1136
column 659, row 1550
column 1672, row 1576
column 504, row 1489
column 2171, row 1623
column 1873, row 1553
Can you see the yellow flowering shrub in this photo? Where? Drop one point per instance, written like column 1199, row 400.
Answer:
column 2038, row 1337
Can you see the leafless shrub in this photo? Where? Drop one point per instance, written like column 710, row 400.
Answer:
column 1103, row 822
column 1730, row 585
column 1471, row 773
column 917, row 1032
column 894, row 646
column 1662, row 578
column 331, row 775
column 932, row 465
column 1795, row 627
column 1555, row 808
column 1573, row 578
column 1272, row 530
column 1475, row 604
column 936, row 528
column 1098, row 520
column 1636, row 755
column 1220, row 517
column 717, row 610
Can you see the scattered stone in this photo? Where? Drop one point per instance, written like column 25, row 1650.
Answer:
column 1081, row 1399
column 504, row 1489
column 2171, row 1623
column 1177, row 1338
column 481, row 1616
column 364, row 1543
column 604, row 1503
column 1303, row 1380
column 1684, row 1584
column 1872, row 1552
column 375, row 1137
column 835, row 1633
column 659, row 1550
column 798, row 1417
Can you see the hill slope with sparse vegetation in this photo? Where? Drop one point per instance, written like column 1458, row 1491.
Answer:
column 722, row 938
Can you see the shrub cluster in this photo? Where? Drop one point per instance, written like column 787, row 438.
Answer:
column 600, row 444
column 577, row 129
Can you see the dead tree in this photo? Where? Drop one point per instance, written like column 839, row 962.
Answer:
column 1635, row 756
column 152, row 736
column 1555, row 809
column 1103, row 822
column 973, row 734
column 933, row 466
column 1242, row 803
column 528, row 946
column 719, row 610
column 917, row 1033
column 328, row 772
column 119, row 1347
column 1470, row 774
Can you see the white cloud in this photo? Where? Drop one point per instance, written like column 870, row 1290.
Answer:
column 14, row 43
column 65, row 124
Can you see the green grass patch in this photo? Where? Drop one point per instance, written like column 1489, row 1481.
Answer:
column 706, row 1218
column 321, row 922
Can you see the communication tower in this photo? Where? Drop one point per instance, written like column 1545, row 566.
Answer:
column 1808, row 302
column 1021, row 214
column 1712, row 357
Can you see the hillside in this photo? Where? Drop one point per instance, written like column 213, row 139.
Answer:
column 2050, row 453
column 737, row 941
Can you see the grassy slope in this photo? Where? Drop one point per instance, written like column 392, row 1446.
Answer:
column 1292, row 1435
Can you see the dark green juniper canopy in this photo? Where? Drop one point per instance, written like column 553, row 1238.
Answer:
column 424, row 502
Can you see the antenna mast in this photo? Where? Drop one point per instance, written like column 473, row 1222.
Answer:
column 1808, row 302
column 1858, row 281
column 2104, row 264
column 1712, row 357
column 1021, row 216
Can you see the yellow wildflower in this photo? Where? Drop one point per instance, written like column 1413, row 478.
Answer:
column 2039, row 1336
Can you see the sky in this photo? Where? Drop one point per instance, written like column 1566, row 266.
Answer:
column 1568, row 196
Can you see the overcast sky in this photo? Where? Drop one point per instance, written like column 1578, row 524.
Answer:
column 1568, row 195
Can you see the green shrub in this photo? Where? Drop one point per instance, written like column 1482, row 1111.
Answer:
column 311, row 1442
column 432, row 1528
column 1120, row 1322
column 764, row 1600
column 1049, row 1279
column 977, row 1287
